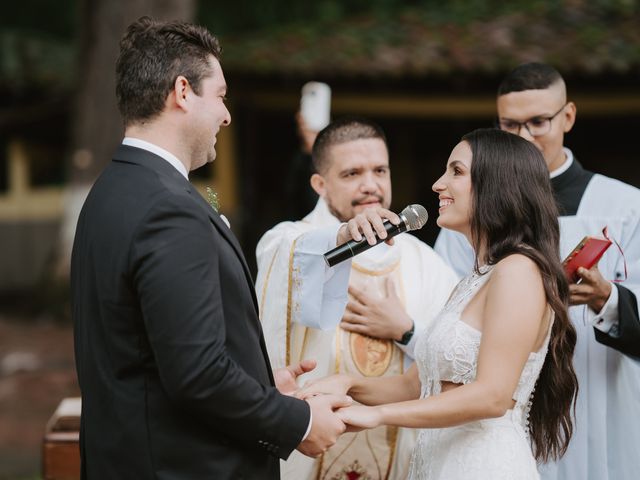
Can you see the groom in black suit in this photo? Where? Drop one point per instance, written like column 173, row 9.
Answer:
column 170, row 356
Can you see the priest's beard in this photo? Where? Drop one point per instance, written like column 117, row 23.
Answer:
column 345, row 216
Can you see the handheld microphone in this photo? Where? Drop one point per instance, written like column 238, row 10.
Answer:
column 412, row 217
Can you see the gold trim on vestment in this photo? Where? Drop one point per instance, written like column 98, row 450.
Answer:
column 338, row 348
column 373, row 453
column 375, row 273
column 289, row 301
column 266, row 282
column 321, row 464
column 304, row 343
column 393, row 432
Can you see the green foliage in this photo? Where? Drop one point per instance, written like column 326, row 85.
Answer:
column 250, row 15
column 57, row 19
column 38, row 44
column 212, row 198
column 35, row 60
column 38, row 38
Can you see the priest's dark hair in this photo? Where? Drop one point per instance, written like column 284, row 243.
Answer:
column 342, row 130
column 513, row 211
column 529, row 76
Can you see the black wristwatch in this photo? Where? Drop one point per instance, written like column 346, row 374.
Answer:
column 406, row 337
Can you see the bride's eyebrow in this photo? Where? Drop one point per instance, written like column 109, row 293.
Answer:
column 456, row 163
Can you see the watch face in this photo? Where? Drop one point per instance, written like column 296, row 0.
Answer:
column 406, row 338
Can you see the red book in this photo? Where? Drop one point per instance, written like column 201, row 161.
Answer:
column 586, row 254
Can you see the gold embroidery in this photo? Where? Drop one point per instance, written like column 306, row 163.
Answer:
column 375, row 273
column 373, row 452
column 392, row 434
column 266, row 282
column 289, row 306
column 304, row 343
column 353, row 471
column 322, row 477
column 339, row 333
column 371, row 356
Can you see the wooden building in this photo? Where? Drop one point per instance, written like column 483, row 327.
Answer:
column 426, row 82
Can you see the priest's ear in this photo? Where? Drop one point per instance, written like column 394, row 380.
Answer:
column 319, row 184
column 569, row 116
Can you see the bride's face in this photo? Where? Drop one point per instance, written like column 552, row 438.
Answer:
column 454, row 191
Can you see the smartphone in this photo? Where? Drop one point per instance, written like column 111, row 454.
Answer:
column 586, row 254
column 315, row 105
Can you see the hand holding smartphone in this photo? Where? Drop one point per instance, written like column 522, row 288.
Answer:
column 586, row 254
column 315, row 105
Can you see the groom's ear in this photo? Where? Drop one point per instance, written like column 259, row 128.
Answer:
column 179, row 94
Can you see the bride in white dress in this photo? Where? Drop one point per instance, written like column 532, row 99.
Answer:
column 493, row 385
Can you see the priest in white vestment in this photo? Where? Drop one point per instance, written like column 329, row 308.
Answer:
column 394, row 292
column 606, row 440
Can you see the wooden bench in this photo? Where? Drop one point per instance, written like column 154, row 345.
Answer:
column 60, row 447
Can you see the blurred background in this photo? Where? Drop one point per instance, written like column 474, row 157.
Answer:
column 426, row 70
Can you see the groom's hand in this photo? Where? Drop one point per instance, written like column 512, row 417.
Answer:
column 285, row 378
column 326, row 427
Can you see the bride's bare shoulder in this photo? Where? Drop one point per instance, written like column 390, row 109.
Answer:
column 517, row 269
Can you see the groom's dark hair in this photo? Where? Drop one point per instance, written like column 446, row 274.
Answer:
column 152, row 55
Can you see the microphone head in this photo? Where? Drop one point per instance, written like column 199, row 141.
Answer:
column 415, row 216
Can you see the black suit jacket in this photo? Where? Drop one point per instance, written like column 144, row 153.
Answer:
column 170, row 356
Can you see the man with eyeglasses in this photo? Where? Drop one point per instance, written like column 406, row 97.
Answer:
column 532, row 102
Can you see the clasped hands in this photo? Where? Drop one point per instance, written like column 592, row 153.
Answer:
column 333, row 412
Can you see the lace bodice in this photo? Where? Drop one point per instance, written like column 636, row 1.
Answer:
column 449, row 350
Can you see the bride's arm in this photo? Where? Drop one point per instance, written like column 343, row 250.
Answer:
column 367, row 390
column 512, row 327
column 380, row 390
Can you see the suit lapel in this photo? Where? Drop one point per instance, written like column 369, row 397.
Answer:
column 229, row 237
column 151, row 160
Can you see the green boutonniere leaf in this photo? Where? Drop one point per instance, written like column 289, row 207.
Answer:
column 212, row 198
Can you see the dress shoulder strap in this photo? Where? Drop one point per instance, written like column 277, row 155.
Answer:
column 467, row 288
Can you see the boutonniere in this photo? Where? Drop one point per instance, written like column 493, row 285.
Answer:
column 212, row 198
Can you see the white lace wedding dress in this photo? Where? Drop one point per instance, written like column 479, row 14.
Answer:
column 491, row 449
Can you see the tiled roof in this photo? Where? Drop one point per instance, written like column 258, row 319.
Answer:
column 411, row 43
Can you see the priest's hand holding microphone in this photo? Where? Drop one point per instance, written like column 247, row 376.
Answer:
column 375, row 225
column 367, row 313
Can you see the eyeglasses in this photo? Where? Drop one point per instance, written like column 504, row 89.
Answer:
column 536, row 126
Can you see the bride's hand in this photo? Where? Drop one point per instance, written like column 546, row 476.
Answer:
column 360, row 417
column 335, row 385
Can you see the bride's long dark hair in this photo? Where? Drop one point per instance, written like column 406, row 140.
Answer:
column 513, row 211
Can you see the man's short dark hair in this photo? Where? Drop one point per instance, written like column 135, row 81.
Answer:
column 152, row 55
column 343, row 130
column 529, row 76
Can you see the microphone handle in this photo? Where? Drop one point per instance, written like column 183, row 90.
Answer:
column 352, row 248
